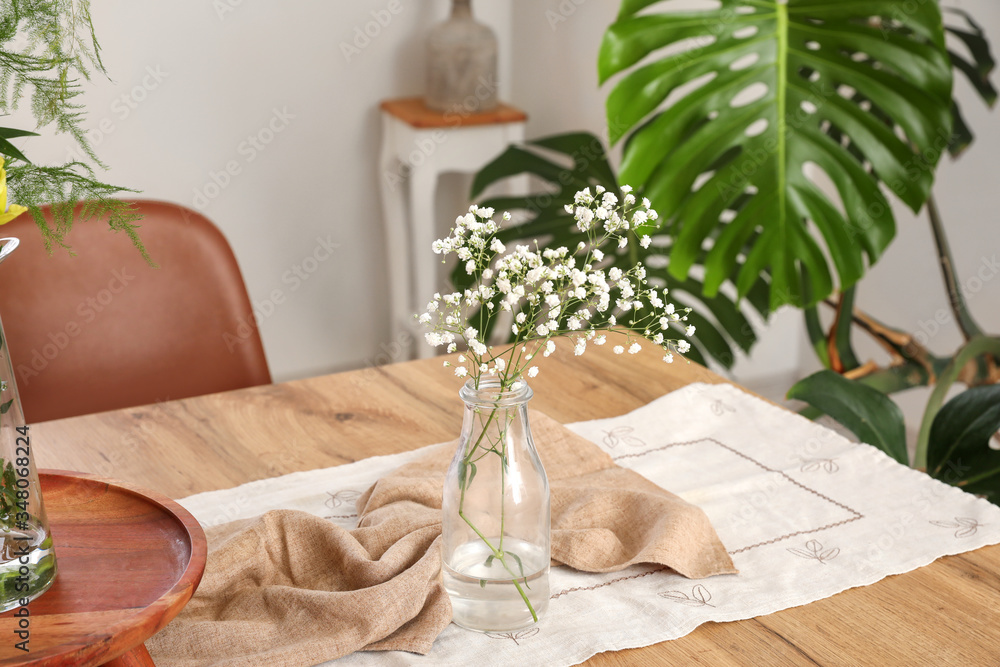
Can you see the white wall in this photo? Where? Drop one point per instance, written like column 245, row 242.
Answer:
column 224, row 66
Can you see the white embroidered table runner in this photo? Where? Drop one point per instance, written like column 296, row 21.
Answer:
column 804, row 512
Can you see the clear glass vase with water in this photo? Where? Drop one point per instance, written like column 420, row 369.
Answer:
column 496, row 514
column 27, row 557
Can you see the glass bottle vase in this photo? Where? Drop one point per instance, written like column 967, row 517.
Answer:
column 495, row 522
column 27, row 557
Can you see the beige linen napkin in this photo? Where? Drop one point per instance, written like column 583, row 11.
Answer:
column 289, row 588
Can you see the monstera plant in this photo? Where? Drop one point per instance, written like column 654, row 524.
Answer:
column 771, row 137
column 731, row 119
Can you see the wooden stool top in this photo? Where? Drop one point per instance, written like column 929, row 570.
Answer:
column 413, row 112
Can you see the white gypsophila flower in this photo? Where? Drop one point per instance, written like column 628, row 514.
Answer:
column 533, row 371
column 461, row 371
column 452, row 347
column 626, row 189
column 543, row 285
column 669, row 358
column 689, row 330
column 618, row 349
column 461, row 358
column 683, row 346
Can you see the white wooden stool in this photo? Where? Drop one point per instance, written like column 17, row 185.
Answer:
column 418, row 145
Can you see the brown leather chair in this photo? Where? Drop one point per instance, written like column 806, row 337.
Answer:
column 103, row 330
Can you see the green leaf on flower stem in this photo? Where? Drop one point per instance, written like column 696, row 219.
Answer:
column 489, row 560
column 6, row 406
column 958, row 451
column 520, row 566
column 462, row 472
column 473, row 475
column 482, row 583
column 867, row 412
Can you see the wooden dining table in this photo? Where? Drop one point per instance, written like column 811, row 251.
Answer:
column 945, row 613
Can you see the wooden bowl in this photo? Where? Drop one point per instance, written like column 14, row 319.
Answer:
column 128, row 561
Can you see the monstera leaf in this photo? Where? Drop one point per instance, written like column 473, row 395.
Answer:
column 730, row 112
column 570, row 162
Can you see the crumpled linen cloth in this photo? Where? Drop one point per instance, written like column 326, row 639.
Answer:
column 290, row 588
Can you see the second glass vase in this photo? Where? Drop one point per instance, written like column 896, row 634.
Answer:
column 496, row 512
column 27, row 558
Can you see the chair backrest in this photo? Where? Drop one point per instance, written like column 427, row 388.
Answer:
column 103, row 330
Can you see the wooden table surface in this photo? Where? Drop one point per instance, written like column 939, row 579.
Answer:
column 945, row 613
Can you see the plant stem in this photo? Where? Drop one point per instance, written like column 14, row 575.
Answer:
column 963, row 318
column 498, row 552
column 503, row 561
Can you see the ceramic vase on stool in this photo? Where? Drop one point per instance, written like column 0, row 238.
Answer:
column 461, row 64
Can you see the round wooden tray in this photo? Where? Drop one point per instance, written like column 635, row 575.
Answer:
column 128, row 561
